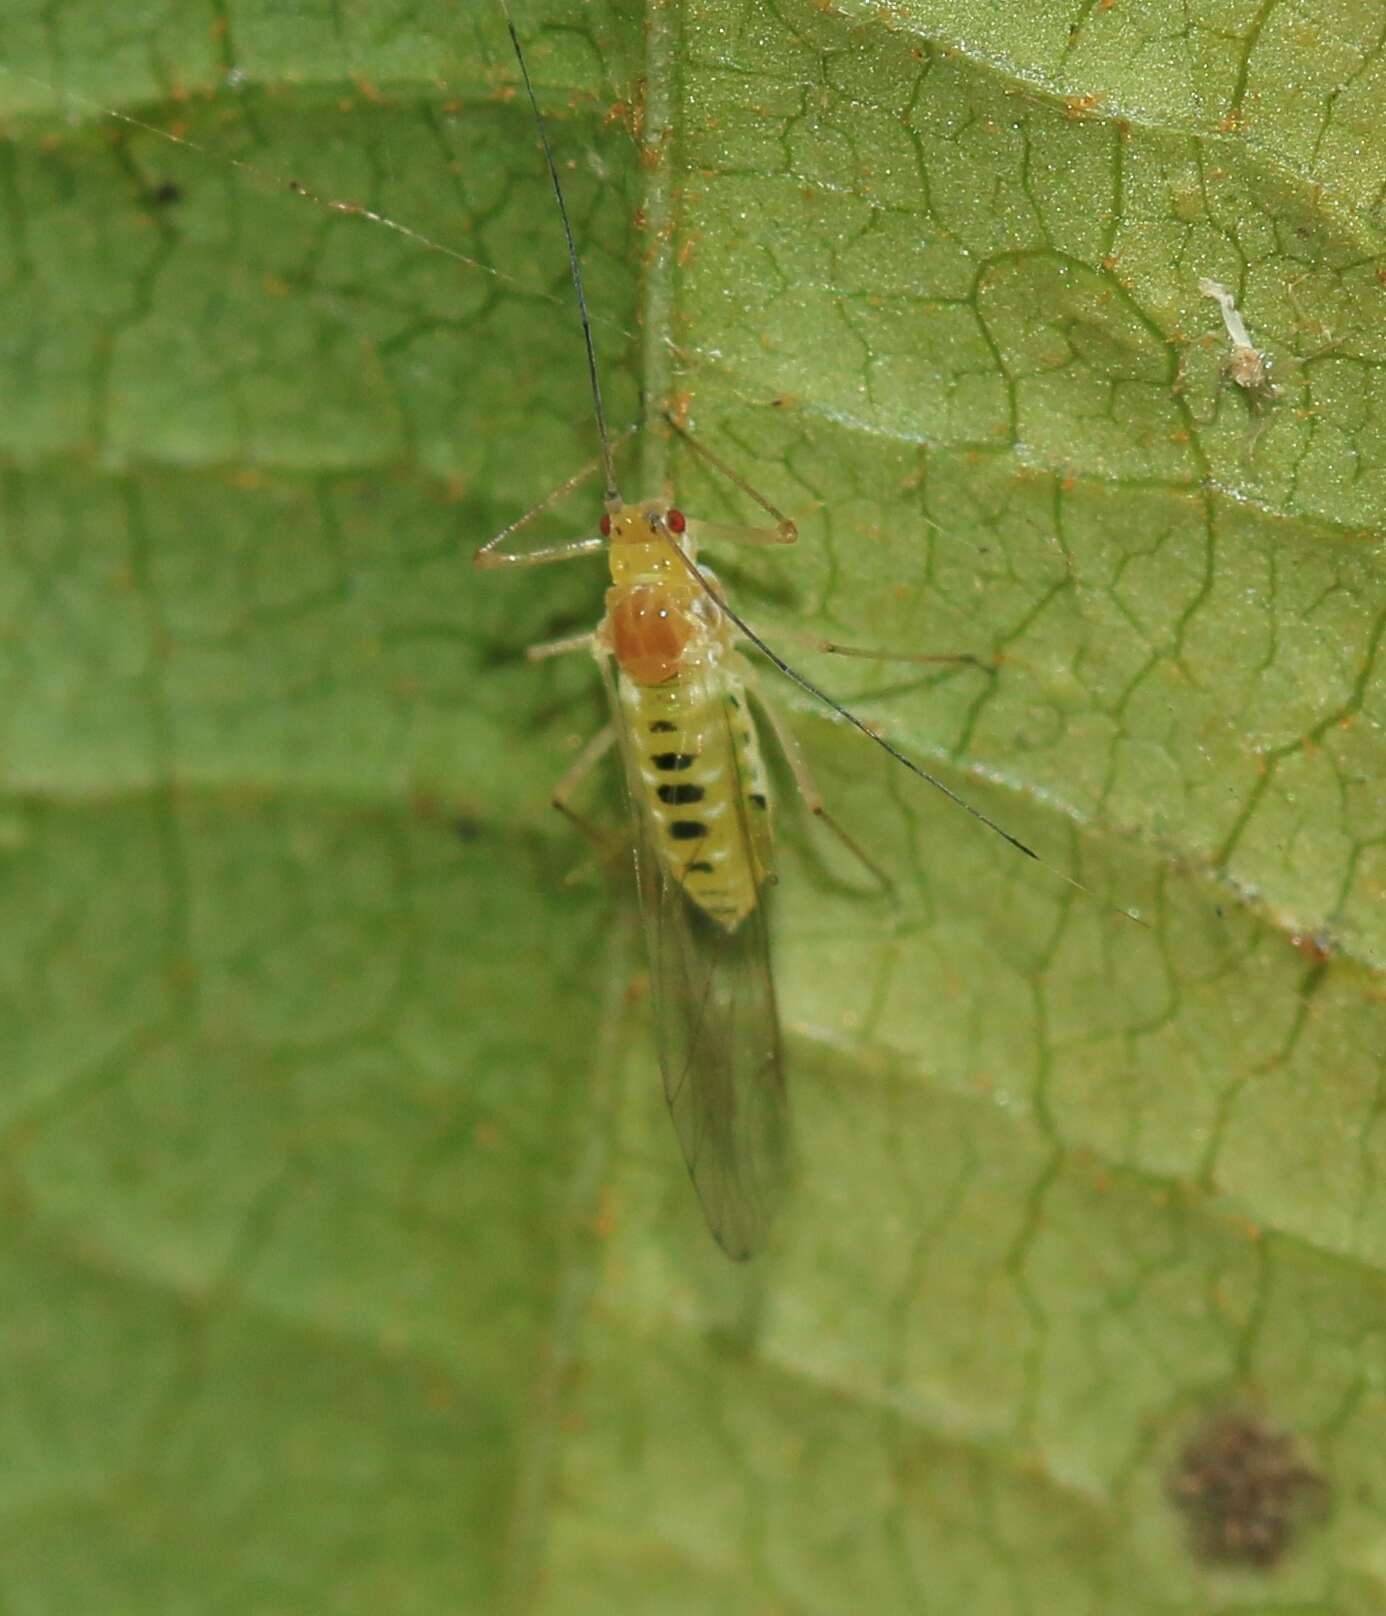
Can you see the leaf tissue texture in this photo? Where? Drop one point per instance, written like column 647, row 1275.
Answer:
column 348, row 1264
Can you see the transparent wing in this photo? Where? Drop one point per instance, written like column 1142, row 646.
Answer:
column 719, row 1049
column 719, row 1045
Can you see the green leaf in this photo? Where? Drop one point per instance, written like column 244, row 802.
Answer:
column 349, row 1264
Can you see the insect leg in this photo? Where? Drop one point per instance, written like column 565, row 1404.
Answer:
column 804, row 781
column 491, row 556
column 784, row 530
column 556, row 648
column 573, row 776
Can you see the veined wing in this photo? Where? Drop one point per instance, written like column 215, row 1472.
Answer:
column 717, row 1026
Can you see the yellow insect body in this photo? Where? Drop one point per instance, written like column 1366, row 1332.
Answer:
column 700, row 802
column 693, row 757
column 699, row 793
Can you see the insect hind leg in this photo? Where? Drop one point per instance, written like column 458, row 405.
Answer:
column 807, row 787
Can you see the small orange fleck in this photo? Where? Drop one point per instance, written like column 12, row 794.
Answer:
column 1312, row 946
column 441, row 1397
column 425, row 804
column 604, row 1219
column 1077, row 107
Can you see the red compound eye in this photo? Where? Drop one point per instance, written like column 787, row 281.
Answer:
column 605, row 525
column 677, row 521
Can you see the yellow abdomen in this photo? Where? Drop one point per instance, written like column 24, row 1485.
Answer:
column 701, row 779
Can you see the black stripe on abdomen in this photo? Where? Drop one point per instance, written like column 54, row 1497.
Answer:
column 677, row 796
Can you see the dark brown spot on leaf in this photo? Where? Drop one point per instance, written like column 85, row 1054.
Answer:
column 1243, row 1490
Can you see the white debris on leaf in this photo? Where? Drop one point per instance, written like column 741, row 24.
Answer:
column 1246, row 365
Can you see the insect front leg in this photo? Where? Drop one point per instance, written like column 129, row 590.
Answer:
column 490, row 556
column 784, row 530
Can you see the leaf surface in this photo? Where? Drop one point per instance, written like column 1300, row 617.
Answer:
column 350, row 1261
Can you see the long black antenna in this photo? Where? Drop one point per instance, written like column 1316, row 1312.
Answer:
column 613, row 494
column 807, row 684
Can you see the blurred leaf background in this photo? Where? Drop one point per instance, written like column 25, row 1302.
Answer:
column 348, row 1261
